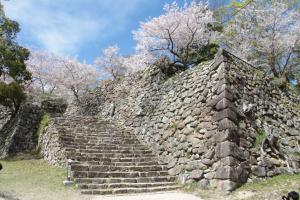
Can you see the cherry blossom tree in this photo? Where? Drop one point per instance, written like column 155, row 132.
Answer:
column 137, row 61
column 45, row 68
column 111, row 62
column 77, row 77
column 178, row 34
column 267, row 34
column 61, row 75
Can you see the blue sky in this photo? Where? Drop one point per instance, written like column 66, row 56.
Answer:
column 80, row 28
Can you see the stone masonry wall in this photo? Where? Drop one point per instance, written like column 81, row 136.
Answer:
column 51, row 148
column 4, row 116
column 205, row 122
column 270, row 114
column 19, row 132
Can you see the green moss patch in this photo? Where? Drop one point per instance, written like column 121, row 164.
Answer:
column 260, row 138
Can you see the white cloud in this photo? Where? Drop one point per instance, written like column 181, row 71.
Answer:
column 63, row 26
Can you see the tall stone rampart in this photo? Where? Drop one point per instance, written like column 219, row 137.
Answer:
column 221, row 123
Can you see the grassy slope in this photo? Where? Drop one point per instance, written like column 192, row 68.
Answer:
column 269, row 189
column 35, row 180
column 274, row 187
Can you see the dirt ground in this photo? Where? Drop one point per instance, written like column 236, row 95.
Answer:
column 177, row 195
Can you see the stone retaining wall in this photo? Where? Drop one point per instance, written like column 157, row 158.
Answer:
column 205, row 122
column 50, row 146
column 19, row 133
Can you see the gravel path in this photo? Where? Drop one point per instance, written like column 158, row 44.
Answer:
column 150, row 196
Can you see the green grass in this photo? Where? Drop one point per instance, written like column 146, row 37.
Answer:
column 283, row 179
column 44, row 121
column 35, row 180
column 268, row 189
column 260, row 138
column 190, row 187
column 43, row 124
column 273, row 187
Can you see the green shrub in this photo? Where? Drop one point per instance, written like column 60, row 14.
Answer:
column 11, row 95
column 260, row 138
column 43, row 124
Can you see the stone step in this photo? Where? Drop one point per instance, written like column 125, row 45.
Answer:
column 90, row 146
column 100, row 141
column 125, row 180
column 76, row 130
column 115, row 163
column 128, row 190
column 102, row 168
column 124, row 185
column 82, row 126
column 133, row 174
column 90, row 129
column 107, row 148
column 90, row 133
column 112, row 160
column 106, row 151
column 95, row 136
column 110, row 155
column 76, row 123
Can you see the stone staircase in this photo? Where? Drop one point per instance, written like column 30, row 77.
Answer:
column 109, row 160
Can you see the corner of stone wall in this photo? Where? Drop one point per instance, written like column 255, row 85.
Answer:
column 50, row 145
column 231, row 171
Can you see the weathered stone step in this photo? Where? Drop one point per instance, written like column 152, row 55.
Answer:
column 115, row 163
column 101, row 141
column 125, row 185
column 110, row 155
column 108, row 148
column 106, row 132
column 125, row 180
column 112, row 160
column 96, row 137
column 109, row 151
column 79, row 130
column 133, row 174
column 82, row 127
column 102, row 168
column 91, row 146
column 128, row 190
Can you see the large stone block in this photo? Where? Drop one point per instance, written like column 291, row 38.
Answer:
column 258, row 171
column 236, row 174
column 196, row 174
column 203, row 183
column 227, row 185
column 226, row 94
column 226, row 124
column 176, row 170
column 230, row 161
column 227, row 148
column 227, row 173
column 224, row 103
column 227, row 135
column 226, row 113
